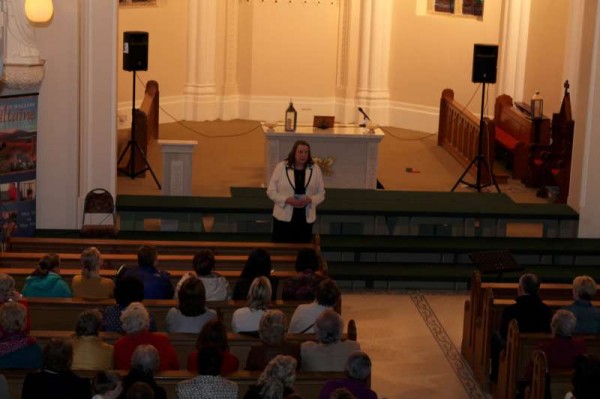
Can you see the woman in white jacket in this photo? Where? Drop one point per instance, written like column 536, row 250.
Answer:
column 296, row 187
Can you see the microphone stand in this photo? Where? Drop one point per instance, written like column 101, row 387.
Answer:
column 365, row 119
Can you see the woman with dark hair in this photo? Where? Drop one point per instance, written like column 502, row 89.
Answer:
column 56, row 380
column 18, row 350
column 127, row 290
column 214, row 333
column 192, row 314
column 90, row 284
column 303, row 287
column 45, row 281
column 258, row 264
column 296, row 188
column 216, row 286
column 89, row 351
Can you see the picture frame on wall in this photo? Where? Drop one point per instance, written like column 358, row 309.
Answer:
column 135, row 3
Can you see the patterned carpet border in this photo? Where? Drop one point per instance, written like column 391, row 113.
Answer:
column 459, row 365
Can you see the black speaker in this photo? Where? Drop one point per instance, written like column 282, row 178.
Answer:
column 135, row 51
column 485, row 59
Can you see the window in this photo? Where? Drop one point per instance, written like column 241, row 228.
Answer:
column 459, row 7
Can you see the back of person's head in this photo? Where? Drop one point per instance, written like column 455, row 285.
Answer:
column 145, row 358
column 127, row 290
column 328, row 293
column 140, row 390
column 328, row 327
column 307, row 259
column 88, row 323
column 279, row 374
column 563, row 323
column 58, row 355
column 135, row 318
column 259, row 293
column 204, row 262
column 210, row 359
column 7, row 287
column 107, row 384
column 257, row 264
column 147, row 255
column 341, row 393
column 358, row 366
column 13, row 317
column 192, row 297
column 584, row 287
column 213, row 332
column 48, row 263
column 272, row 327
column 586, row 377
column 529, row 283
column 90, row 261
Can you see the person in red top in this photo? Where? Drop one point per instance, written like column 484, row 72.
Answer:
column 136, row 324
column 213, row 333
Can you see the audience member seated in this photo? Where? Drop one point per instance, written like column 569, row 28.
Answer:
column 531, row 313
column 276, row 381
column 9, row 294
column 17, row 349
column 272, row 336
column 136, row 323
column 127, row 291
column 192, row 314
column 208, row 384
column 357, row 382
column 341, row 393
column 216, row 286
column 214, row 333
column 588, row 316
column 304, row 286
column 586, row 378
column 157, row 284
column 144, row 362
column 246, row 319
column 140, row 390
column 258, row 264
column 106, row 385
column 90, row 284
column 89, row 351
column 56, row 380
column 303, row 319
column 329, row 353
column 45, row 281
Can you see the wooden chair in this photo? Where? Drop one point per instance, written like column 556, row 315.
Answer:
column 99, row 202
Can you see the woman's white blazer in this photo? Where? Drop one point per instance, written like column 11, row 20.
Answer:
column 281, row 187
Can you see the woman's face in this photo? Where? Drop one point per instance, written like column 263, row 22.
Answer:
column 301, row 155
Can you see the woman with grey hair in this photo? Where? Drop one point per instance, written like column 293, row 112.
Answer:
column 18, row 350
column 144, row 362
column 246, row 319
column 89, row 284
column 588, row 316
column 9, row 294
column 271, row 331
column 136, row 323
column 329, row 353
column 89, row 351
column 357, row 381
column 276, row 381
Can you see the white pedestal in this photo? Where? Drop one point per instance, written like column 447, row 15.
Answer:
column 349, row 153
column 177, row 166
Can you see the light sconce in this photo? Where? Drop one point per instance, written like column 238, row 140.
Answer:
column 537, row 106
column 39, row 10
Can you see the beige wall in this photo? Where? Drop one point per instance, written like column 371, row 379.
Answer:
column 431, row 52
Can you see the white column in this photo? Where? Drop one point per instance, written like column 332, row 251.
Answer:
column 230, row 87
column 373, row 76
column 200, row 89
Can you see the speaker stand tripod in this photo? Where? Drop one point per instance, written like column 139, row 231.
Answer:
column 479, row 159
column 133, row 147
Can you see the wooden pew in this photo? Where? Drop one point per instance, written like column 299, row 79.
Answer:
column 517, row 355
column 308, row 383
column 62, row 313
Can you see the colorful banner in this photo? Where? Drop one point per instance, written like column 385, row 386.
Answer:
column 18, row 155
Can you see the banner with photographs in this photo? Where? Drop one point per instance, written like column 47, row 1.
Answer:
column 18, row 139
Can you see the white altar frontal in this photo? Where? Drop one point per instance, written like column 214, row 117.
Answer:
column 347, row 155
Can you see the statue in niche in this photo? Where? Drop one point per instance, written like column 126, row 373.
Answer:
column 19, row 41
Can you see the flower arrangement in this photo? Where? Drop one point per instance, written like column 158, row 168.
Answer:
column 326, row 164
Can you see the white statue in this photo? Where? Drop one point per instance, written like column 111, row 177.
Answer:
column 19, row 41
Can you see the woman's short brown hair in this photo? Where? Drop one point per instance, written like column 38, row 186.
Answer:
column 192, row 297
column 58, row 355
